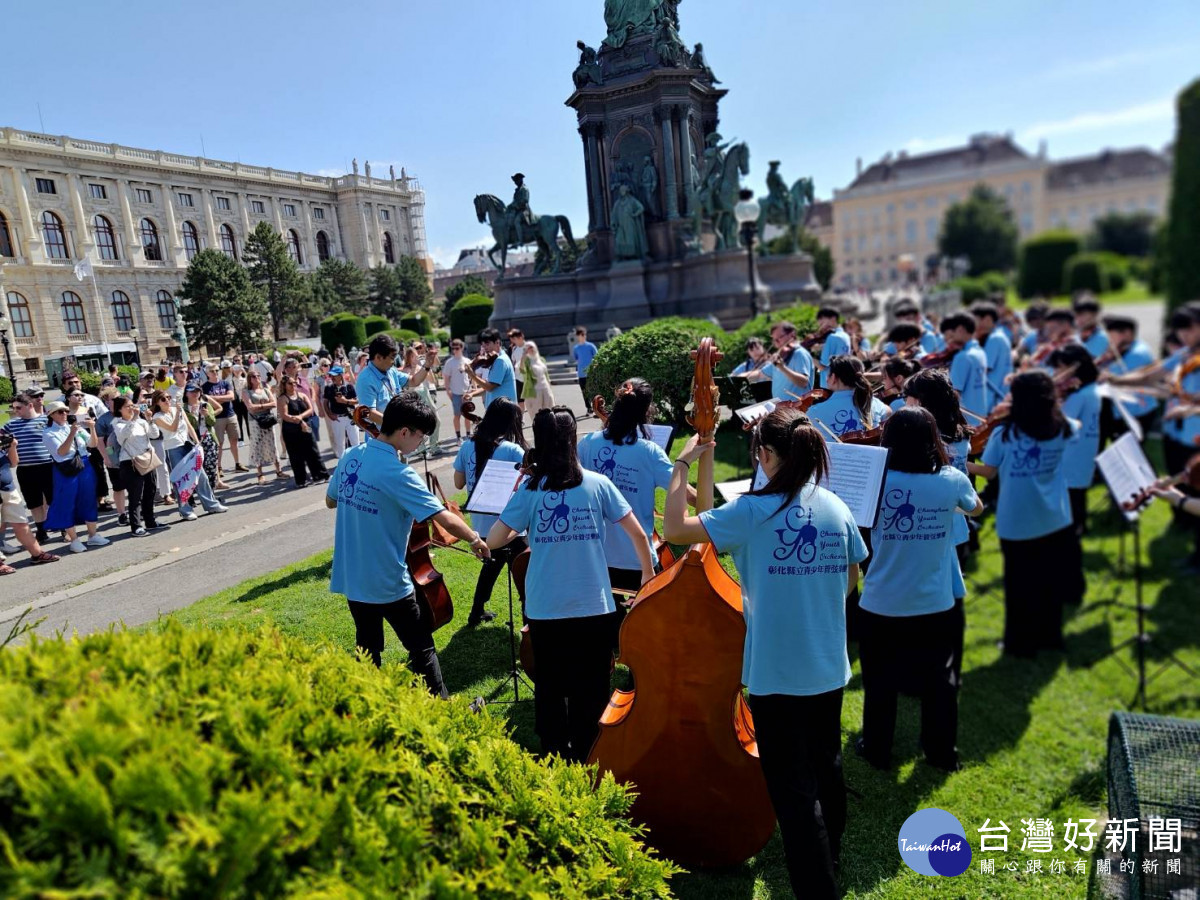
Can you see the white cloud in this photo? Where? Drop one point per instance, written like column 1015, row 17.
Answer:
column 1116, row 61
column 924, row 145
column 1140, row 114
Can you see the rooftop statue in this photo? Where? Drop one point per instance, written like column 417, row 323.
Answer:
column 588, row 70
column 627, row 18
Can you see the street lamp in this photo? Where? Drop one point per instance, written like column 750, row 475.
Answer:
column 746, row 212
column 137, row 353
column 8, row 366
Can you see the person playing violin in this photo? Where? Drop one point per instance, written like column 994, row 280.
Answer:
column 968, row 367
column 1126, row 354
column 791, row 366
column 835, row 341
column 895, row 373
column 909, row 313
column 499, row 435
column 501, row 380
column 852, row 406
column 1035, row 322
column 997, row 350
column 756, row 357
column 797, row 549
column 1087, row 323
column 909, row 638
column 1058, row 330
column 1076, row 372
column 1033, row 514
column 569, row 604
column 378, row 497
column 905, row 339
column 380, row 380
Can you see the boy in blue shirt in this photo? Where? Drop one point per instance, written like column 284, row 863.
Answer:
column 791, row 371
column 501, row 380
column 1087, row 321
column 997, row 350
column 968, row 369
column 380, row 381
column 583, row 353
column 378, row 498
column 837, row 341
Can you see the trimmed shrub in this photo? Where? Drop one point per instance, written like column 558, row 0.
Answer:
column 972, row 289
column 90, row 382
column 1177, row 254
column 1085, row 272
column 6, row 390
column 470, row 316
column 201, row 763
column 417, row 321
column 374, row 324
column 994, row 282
column 802, row 315
column 1116, row 268
column 1042, row 262
column 442, row 336
column 346, row 329
column 403, row 335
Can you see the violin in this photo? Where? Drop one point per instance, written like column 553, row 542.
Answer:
column 468, row 410
column 815, row 340
column 685, row 735
column 600, row 410
column 484, row 360
column 1190, row 476
column 940, row 359
column 433, row 596
column 804, row 404
column 442, row 537
column 983, row 432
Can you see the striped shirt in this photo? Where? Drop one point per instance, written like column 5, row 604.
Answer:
column 28, row 432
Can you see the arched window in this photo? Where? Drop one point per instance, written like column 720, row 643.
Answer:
column 228, row 242
column 72, row 313
column 191, row 241
column 18, row 311
column 6, row 241
column 322, row 246
column 166, row 310
column 106, row 238
column 54, row 236
column 293, row 245
column 389, row 251
column 122, row 311
column 150, row 243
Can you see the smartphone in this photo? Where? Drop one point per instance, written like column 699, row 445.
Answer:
column 72, row 418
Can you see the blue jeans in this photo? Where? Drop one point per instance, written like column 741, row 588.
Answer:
column 203, row 489
column 314, row 422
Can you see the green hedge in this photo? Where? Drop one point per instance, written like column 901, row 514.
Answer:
column 6, row 390
column 201, row 763
column 417, row 321
column 1042, row 262
column 346, row 329
column 442, row 336
column 375, row 324
column 1085, row 272
column 470, row 316
column 403, row 335
column 972, row 289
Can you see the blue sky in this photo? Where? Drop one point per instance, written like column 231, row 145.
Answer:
column 465, row 93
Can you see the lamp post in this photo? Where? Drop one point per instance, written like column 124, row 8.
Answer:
column 137, row 353
column 8, row 366
column 746, row 213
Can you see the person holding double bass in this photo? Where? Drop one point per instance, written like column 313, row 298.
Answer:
column 378, row 497
column 797, row 549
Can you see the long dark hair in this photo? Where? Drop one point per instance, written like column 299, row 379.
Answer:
column 553, row 461
column 849, row 371
column 801, row 451
column 1078, row 356
column 933, row 390
column 1035, row 408
column 630, row 412
column 912, row 436
column 501, row 422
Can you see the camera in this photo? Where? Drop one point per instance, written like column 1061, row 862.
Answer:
column 72, row 418
column 6, row 441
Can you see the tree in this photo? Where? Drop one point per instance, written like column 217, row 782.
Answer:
column 221, row 307
column 276, row 275
column 385, row 297
column 1129, row 234
column 822, row 258
column 1182, row 262
column 347, row 282
column 471, row 284
column 982, row 229
column 414, row 285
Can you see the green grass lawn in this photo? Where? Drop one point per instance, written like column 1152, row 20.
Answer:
column 1134, row 292
column 1031, row 733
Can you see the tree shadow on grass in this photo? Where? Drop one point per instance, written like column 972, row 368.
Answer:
column 316, row 572
column 475, row 656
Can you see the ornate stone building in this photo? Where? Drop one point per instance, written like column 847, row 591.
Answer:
column 140, row 216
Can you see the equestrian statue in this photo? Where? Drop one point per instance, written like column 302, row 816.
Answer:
column 515, row 225
column 717, row 193
column 785, row 208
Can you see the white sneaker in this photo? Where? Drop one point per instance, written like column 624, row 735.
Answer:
column 188, row 516
column 219, row 508
column 77, row 546
column 98, row 540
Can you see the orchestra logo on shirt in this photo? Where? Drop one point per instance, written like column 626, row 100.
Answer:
column 605, row 462
column 349, row 478
column 899, row 513
column 933, row 842
column 1027, row 455
column 844, row 422
column 555, row 514
column 798, row 537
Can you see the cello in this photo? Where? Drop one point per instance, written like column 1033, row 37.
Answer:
column 432, row 594
column 684, row 735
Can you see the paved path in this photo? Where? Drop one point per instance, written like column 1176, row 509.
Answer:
column 134, row 580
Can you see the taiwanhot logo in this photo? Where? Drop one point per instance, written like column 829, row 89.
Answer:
column 933, row 842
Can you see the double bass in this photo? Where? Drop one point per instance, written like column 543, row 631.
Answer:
column 684, row 735
column 428, row 583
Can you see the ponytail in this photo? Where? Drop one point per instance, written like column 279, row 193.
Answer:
column 850, row 372
column 631, row 410
column 803, row 458
column 553, row 462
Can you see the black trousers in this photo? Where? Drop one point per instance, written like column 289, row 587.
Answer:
column 1073, row 567
column 139, row 492
column 1037, row 581
column 243, row 418
column 96, row 459
column 800, row 749
column 411, row 626
column 303, row 455
column 574, row 660
column 491, row 570
column 587, row 401
column 914, row 655
column 1176, row 455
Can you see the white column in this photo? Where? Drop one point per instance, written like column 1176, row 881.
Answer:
column 83, row 242
column 33, row 232
column 209, row 221
column 132, row 243
column 339, row 246
column 170, row 243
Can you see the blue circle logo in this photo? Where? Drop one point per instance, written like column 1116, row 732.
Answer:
column 933, row 842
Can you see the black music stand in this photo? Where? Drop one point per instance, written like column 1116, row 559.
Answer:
column 515, row 674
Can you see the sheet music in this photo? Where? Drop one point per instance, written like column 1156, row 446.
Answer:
column 1126, row 471
column 753, row 413
column 495, row 486
column 730, row 490
column 662, row 435
column 1116, row 395
column 856, row 475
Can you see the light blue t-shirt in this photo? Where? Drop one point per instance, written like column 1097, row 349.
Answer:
column 378, row 499
column 1030, row 342
column 568, row 571
column 841, row 416
column 837, row 343
column 1079, row 458
column 53, row 437
column 932, row 340
column 583, row 354
column 913, row 563
column 1137, row 356
column 636, row 469
column 465, row 462
column 793, row 564
column 997, row 352
column 501, row 374
column 956, row 454
column 1033, row 484
column 376, row 388
column 968, row 374
column 1096, row 344
column 782, row 387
